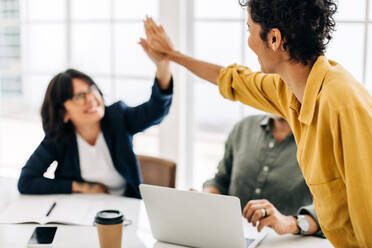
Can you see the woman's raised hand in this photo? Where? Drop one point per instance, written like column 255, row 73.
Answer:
column 157, row 45
column 157, row 39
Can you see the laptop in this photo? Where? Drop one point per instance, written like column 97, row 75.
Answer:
column 196, row 219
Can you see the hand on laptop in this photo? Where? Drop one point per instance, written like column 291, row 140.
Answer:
column 88, row 188
column 255, row 209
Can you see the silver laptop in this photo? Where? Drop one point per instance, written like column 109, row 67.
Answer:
column 196, row 219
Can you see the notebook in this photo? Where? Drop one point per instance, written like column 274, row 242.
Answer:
column 51, row 210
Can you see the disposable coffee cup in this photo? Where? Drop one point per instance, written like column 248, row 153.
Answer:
column 110, row 228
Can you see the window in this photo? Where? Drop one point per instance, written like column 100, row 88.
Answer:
column 351, row 21
column 100, row 38
column 10, row 77
column 95, row 36
column 220, row 37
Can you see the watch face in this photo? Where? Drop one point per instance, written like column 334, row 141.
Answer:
column 303, row 223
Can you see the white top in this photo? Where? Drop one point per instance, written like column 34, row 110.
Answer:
column 96, row 165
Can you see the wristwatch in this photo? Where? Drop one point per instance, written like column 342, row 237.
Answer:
column 303, row 224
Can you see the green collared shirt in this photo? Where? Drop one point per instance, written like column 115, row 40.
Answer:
column 255, row 166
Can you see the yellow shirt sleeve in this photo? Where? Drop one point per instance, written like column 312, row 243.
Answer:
column 266, row 92
column 353, row 149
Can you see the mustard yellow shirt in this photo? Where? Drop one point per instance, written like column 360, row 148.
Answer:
column 333, row 132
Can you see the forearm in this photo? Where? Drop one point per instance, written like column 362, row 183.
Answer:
column 309, row 212
column 163, row 74
column 204, row 70
column 293, row 228
column 151, row 112
column 76, row 187
column 211, row 189
column 41, row 185
column 313, row 225
column 88, row 187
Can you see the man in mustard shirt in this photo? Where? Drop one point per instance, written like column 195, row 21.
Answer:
column 329, row 112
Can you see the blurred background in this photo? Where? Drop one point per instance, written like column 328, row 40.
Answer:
column 39, row 38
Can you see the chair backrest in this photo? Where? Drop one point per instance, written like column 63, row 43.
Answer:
column 157, row 171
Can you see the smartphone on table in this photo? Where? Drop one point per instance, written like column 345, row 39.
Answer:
column 42, row 237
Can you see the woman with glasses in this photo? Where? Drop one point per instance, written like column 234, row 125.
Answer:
column 91, row 142
column 329, row 112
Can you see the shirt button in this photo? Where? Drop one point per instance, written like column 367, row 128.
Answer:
column 266, row 168
column 258, row 191
column 271, row 144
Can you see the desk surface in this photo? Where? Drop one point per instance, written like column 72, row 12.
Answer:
column 137, row 235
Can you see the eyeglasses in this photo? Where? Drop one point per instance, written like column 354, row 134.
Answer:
column 243, row 3
column 80, row 98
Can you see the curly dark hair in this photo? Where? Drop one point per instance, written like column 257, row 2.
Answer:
column 60, row 89
column 305, row 25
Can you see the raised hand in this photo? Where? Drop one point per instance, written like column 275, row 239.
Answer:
column 156, row 35
column 157, row 38
column 156, row 57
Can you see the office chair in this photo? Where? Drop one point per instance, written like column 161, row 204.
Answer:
column 157, row 171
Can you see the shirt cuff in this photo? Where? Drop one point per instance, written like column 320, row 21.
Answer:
column 168, row 91
column 309, row 210
column 226, row 80
column 213, row 183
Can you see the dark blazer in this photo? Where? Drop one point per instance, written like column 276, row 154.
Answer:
column 118, row 125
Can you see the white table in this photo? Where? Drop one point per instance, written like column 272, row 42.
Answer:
column 136, row 235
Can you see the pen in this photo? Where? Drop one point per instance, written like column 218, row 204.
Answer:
column 51, row 208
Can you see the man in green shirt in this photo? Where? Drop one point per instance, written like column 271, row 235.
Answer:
column 259, row 166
